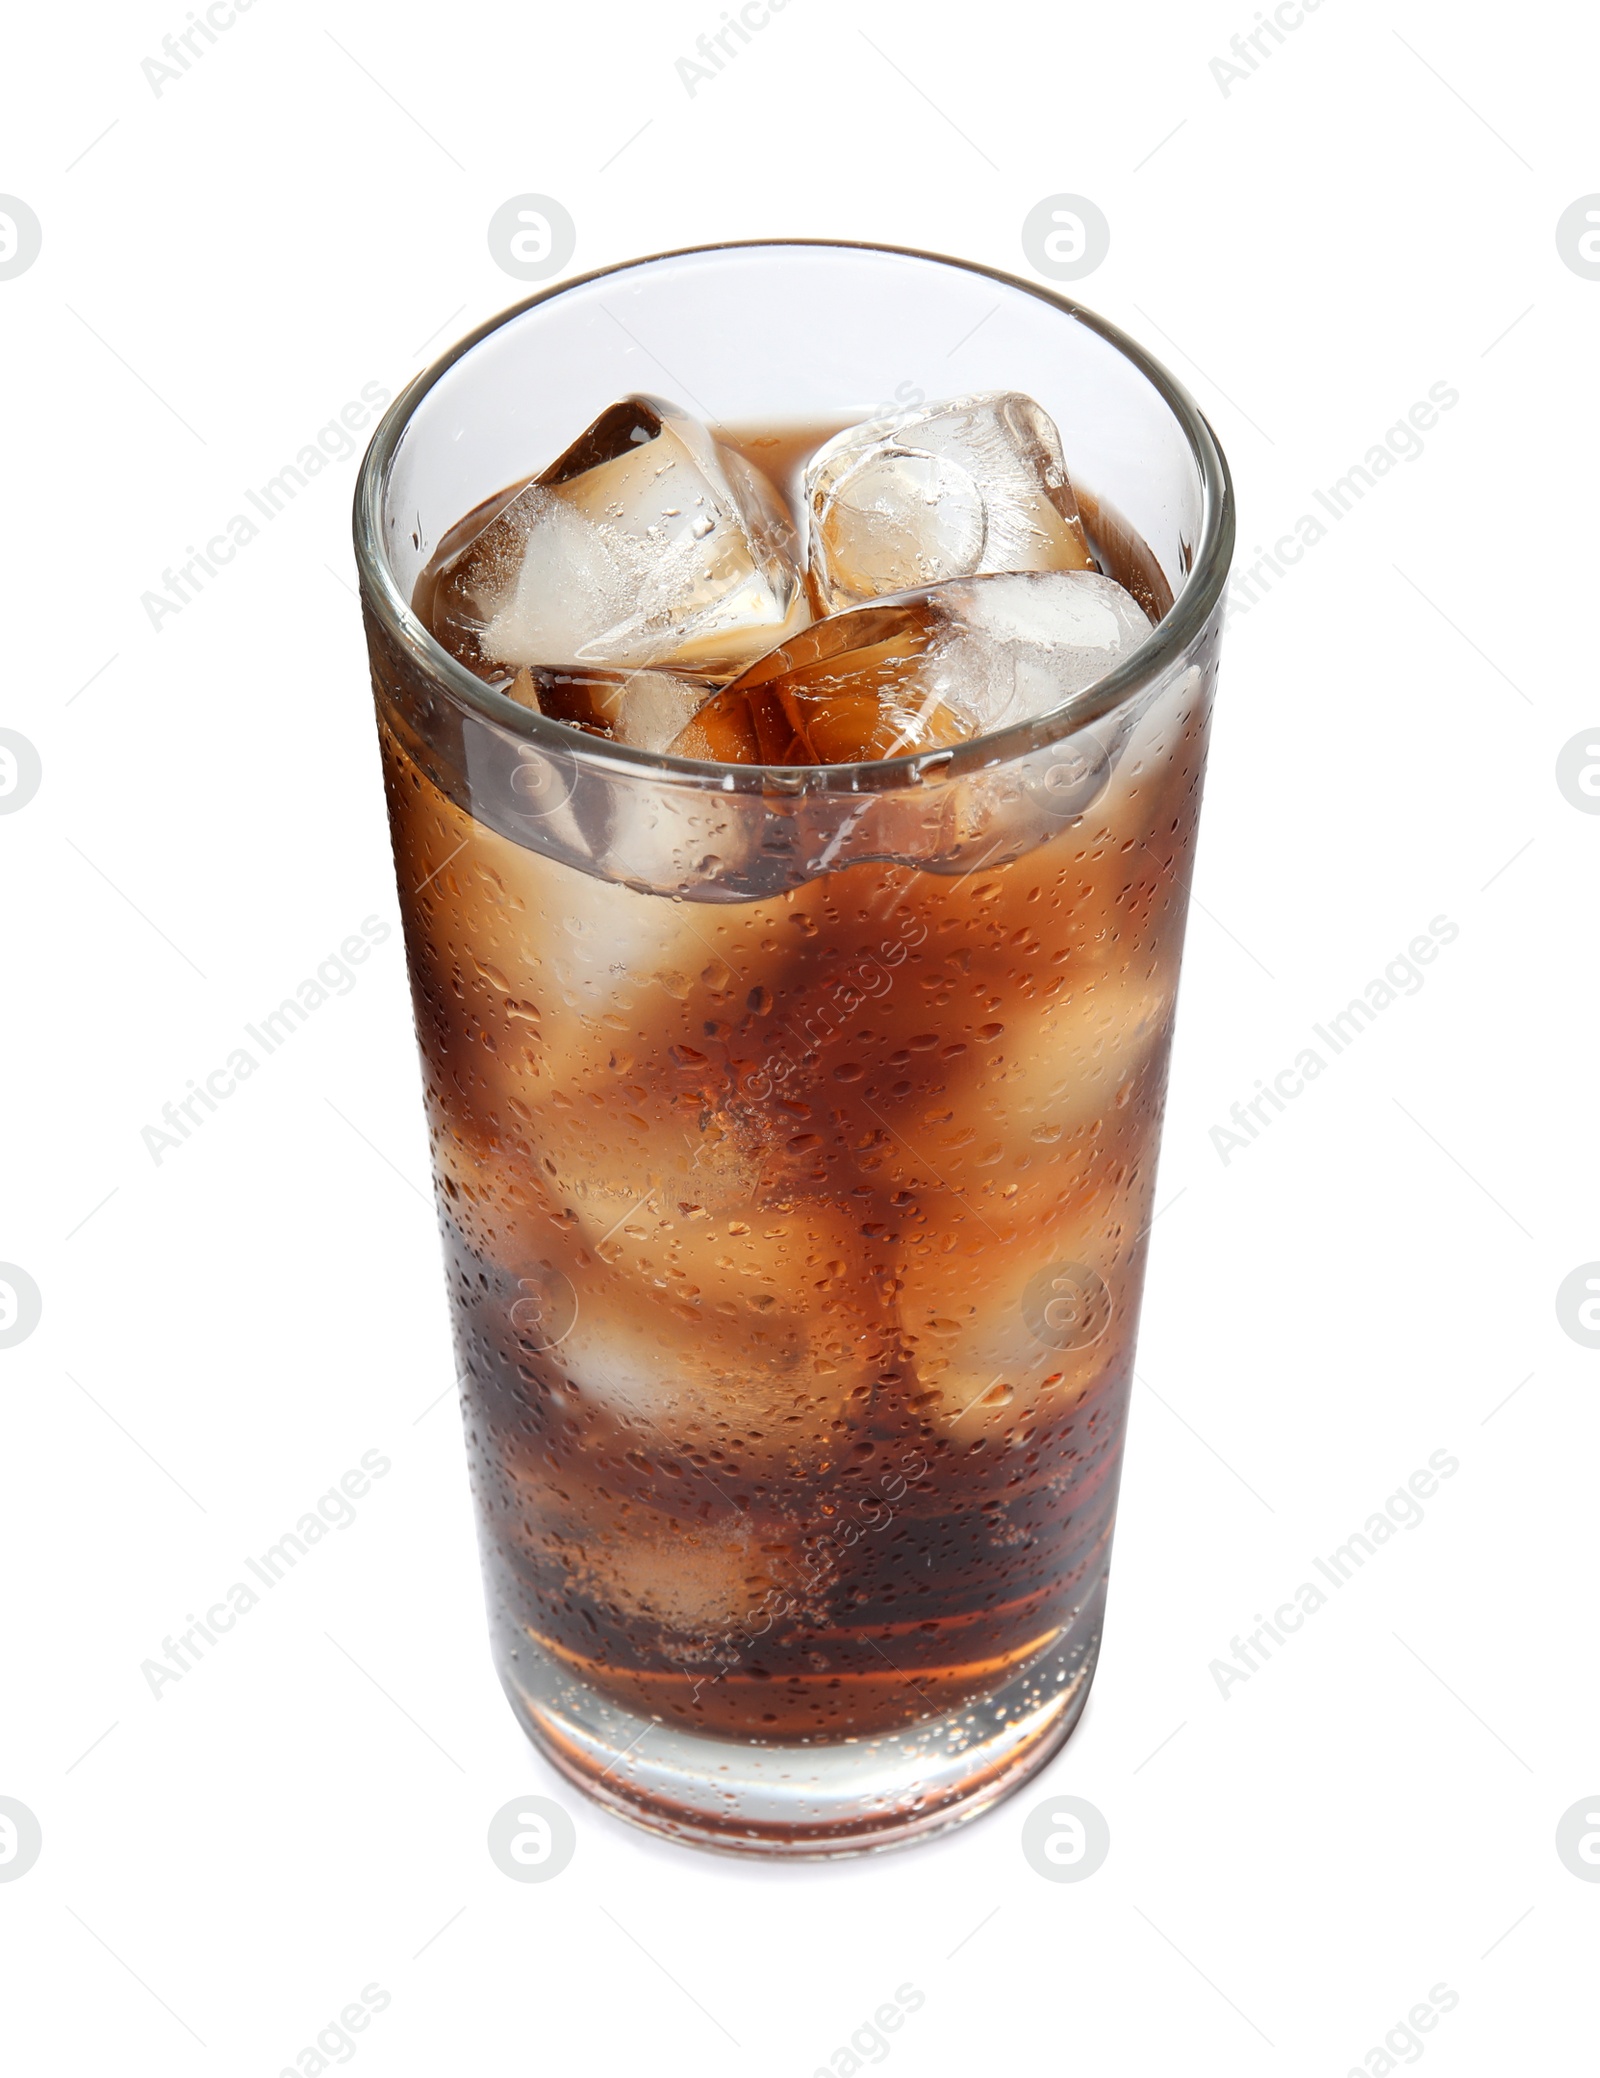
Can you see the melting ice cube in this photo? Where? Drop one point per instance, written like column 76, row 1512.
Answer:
column 646, row 544
column 928, row 668
column 958, row 488
column 645, row 709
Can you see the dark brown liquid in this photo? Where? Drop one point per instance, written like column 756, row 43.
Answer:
column 802, row 1465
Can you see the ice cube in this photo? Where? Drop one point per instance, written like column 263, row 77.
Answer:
column 645, row 709
column 1000, row 1329
column 702, row 1582
column 647, row 543
column 858, row 686
column 753, row 1336
column 958, row 488
column 926, row 669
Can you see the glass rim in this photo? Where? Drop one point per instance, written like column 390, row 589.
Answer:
column 1172, row 638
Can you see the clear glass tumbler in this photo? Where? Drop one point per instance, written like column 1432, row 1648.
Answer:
column 795, row 1129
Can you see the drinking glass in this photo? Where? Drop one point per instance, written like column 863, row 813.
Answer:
column 795, row 1129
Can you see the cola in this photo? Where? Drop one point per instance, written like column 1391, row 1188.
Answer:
column 796, row 1243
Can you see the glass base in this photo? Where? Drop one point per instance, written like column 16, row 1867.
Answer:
column 809, row 1802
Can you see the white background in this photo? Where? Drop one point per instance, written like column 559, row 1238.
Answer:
column 224, row 1333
